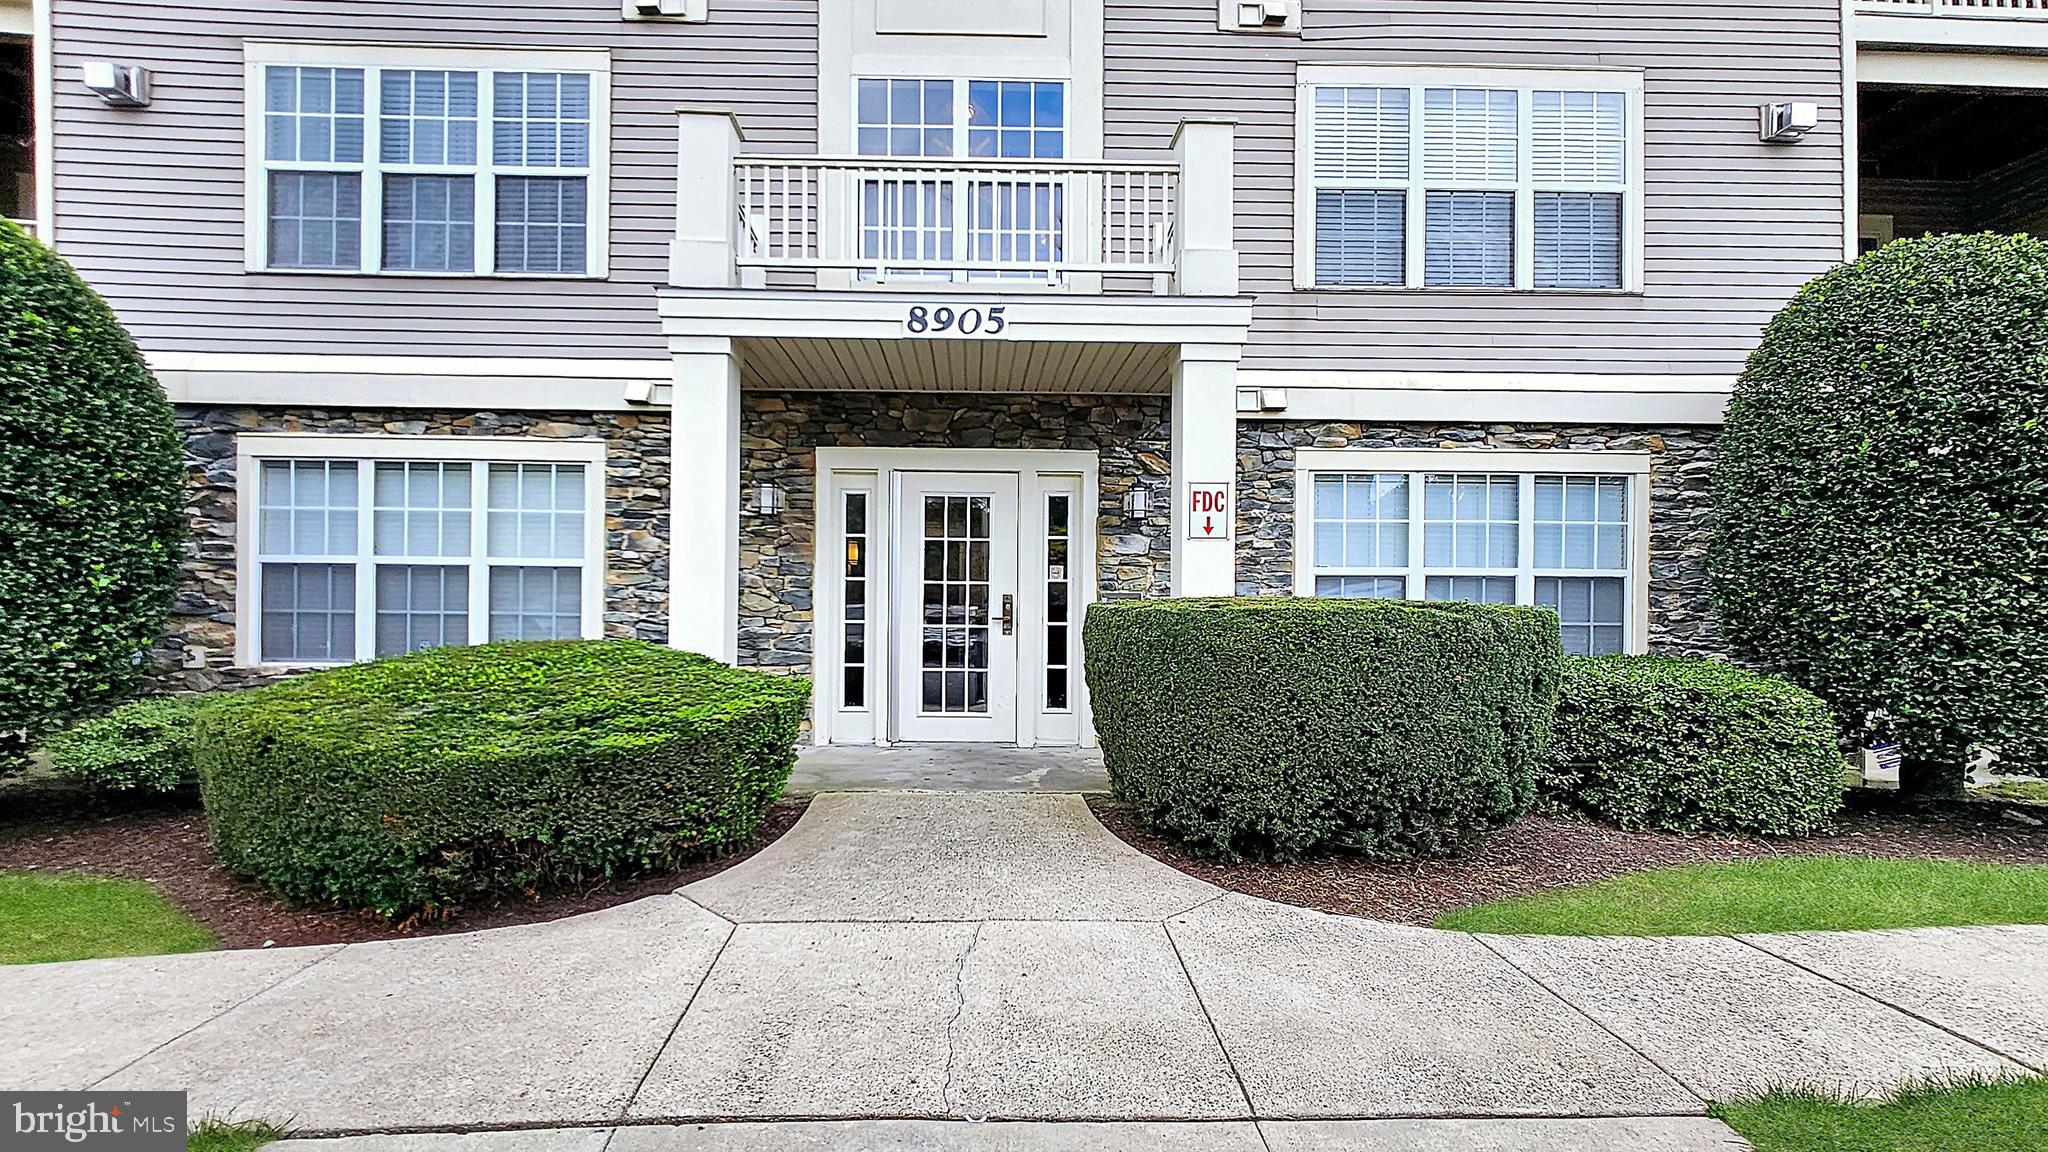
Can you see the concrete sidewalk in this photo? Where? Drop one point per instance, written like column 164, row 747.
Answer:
column 898, row 961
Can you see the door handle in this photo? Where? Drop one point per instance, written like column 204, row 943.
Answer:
column 1009, row 615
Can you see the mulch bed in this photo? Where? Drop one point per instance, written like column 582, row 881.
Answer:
column 167, row 846
column 1546, row 852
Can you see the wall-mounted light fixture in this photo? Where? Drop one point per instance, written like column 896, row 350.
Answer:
column 769, row 500
column 1138, row 501
column 120, row 85
column 1784, row 123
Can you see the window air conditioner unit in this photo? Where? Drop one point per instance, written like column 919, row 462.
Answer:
column 686, row 11
column 1258, row 15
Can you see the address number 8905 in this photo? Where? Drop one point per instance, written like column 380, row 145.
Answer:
column 926, row 319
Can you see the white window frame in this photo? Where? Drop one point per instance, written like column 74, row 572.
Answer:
column 257, row 55
column 1523, row 82
column 366, row 451
column 1527, row 465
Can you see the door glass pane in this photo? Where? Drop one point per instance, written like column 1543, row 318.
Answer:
column 956, row 612
column 855, row 588
column 1058, row 582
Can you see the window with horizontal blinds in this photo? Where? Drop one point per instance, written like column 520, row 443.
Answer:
column 1468, row 178
column 1469, row 240
column 384, row 168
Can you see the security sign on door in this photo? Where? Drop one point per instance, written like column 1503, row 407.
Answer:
column 1208, row 511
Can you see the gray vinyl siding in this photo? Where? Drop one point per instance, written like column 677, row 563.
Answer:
column 1733, row 226
column 150, row 201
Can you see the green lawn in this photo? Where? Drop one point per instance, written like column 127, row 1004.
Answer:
column 217, row 1136
column 45, row 917
column 2009, row 1116
column 1790, row 894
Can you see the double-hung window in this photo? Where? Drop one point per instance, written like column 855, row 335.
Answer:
column 1564, row 533
column 358, row 547
column 423, row 161
column 1467, row 178
column 918, row 222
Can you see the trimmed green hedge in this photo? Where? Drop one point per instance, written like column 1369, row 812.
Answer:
column 92, row 501
column 1690, row 745
column 141, row 747
column 1278, row 727
column 1880, row 495
column 412, row 784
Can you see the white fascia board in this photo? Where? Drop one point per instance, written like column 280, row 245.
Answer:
column 1489, row 398
column 430, row 382
column 1953, row 69
column 805, row 315
column 1947, row 31
column 1543, row 460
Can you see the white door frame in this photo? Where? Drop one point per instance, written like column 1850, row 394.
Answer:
column 873, row 470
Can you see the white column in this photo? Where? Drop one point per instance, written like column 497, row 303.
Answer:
column 1204, row 457
column 704, row 498
column 1205, row 214
column 701, row 254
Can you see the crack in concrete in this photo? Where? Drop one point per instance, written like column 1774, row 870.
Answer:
column 959, row 1010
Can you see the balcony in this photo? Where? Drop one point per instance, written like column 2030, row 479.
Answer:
column 2012, row 24
column 869, row 223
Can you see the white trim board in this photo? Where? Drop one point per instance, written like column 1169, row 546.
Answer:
column 1947, row 30
column 796, row 314
column 431, row 382
column 1957, row 69
column 1456, row 397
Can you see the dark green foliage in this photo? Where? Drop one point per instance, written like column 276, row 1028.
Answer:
column 413, row 784
column 1278, row 727
column 1881, row 500
column 1692, row 746
column 141, row 747
column 91, row 499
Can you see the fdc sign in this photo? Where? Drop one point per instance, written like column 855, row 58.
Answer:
column 1208, row 511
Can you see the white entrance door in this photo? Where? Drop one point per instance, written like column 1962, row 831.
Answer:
column 956, row 606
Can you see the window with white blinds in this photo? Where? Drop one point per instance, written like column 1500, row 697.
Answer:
column 1438, row 527
column 427, row 161
column 1467, row 178
column 364, row 547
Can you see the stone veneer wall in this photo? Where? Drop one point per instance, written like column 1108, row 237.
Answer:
column 199, row 652
column 781, row 431
column 1680, row 619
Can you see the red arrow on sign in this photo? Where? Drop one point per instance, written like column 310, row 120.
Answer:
column 1208, row 525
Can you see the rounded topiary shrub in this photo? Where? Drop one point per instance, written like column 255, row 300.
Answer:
column 145, row 746
column 91, row 499
column 1690, row 745
column 413, row 784
column 1881, row 500
column 1278, row 727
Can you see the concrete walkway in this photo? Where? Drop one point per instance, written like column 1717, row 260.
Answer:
column 901, row 962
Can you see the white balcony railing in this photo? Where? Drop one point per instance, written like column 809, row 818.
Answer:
column 936, row 220
column 1993, row 9
column 847, row 222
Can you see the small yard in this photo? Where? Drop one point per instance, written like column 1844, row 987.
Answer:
column 1792, row 894
column 2007, row 1116
column 1547, row 855
column 71, row 917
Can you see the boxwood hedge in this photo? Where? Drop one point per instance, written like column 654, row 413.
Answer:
column 413, row 784
column 1277, row 727
column 1880, row 531
column 1692, row 745
column 145, row 746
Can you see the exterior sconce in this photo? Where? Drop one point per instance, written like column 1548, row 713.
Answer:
column 119, row 85
column 1784, row 123
column 769, row 500
column 1138, row 501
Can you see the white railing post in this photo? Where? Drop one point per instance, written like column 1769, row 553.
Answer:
column 1204, row 218
column 702, row 255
